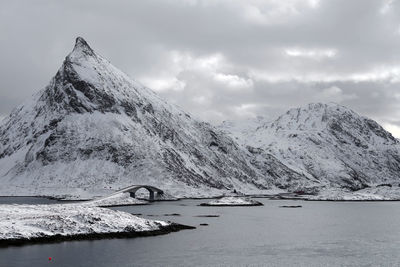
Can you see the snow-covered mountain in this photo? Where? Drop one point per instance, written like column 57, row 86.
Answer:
column 328, row 144
column 94, row 129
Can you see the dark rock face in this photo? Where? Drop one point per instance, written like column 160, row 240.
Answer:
column 93, row 127
column 282, row 176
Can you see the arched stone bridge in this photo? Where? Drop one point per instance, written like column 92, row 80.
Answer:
column 133, row 188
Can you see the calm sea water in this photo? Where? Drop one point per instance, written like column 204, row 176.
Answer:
column 318, row 234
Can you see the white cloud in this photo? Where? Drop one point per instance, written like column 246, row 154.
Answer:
column 311, row 53
column 273, row 11
column 386, row 6
column 213, row 67
column 331, row 91
column 393, row 129
column 164, row 84
column 335, row 94
column 233, row 81
column 314, row 3
column 246, row 110
column 390, row 73
column 382, row 73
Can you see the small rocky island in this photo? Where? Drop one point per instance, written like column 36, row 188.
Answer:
column 232, row 202
column 21, row 224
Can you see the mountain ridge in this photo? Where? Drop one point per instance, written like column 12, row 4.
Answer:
column 328, row 143
column 93, row 128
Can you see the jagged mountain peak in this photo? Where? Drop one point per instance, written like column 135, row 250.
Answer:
column 93, row 127
column 81, row 49
column 328, row 105
column 315, row 112
column 331, row 109
column 87, row 82
column 329, row 143
column 330, row 117
column 321, row 108
column 80, row 42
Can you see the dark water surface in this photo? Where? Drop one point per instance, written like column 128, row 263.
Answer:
column 318, row 234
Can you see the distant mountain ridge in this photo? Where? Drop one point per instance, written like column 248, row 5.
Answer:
column 327, row 143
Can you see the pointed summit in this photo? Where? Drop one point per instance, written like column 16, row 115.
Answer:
column 79, row 41
column 81, row 48
column 93, row 126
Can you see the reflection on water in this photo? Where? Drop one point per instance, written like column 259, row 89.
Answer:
column 318, row 234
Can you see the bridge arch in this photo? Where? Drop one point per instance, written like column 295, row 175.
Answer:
column 152, row 190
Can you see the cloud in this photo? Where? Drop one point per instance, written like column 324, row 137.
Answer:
column 311, row 53
column 335, row 94
column 164, row 84
column 386, row 6
column 275, row 11
column 381, row 73
column 233, row 81
column 393, row 128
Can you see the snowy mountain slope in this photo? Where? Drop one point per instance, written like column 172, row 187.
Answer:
column 329, row 144
column 93, row 129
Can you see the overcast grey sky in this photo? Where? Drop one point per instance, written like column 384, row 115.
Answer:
column 217, row 59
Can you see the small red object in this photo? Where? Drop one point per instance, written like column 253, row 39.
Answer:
column 49, row 258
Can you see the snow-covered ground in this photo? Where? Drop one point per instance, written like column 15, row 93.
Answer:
column 63, row 221
column 372, row 193
column 121, row 199
column 232, row 201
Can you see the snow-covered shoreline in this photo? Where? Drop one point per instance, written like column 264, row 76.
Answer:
column 232, row 202
column 381, row 193
column 22, row 224
column 374, row 193
column 121, row 199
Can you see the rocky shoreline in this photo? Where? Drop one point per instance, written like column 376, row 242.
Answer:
column 43, row 223
column 173, row 227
